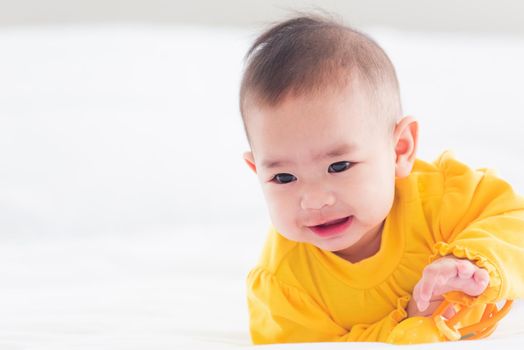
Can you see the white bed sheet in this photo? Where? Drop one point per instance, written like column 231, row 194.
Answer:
column 153, row 291
column 127, row 217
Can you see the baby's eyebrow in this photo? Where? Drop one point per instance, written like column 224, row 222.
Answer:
column 339, row 150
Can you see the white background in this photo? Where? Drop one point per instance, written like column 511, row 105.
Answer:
column 128, row 219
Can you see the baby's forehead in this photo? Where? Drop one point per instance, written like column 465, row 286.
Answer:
column 308, row 134
column 350, row 106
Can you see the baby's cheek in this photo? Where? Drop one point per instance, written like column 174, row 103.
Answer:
column 370, row 206
column 285, row 220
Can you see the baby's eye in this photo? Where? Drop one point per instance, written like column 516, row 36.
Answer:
column 283, row 178
column 339, row 167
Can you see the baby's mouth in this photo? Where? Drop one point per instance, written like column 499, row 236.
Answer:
column 333, row 227
column 333, row 222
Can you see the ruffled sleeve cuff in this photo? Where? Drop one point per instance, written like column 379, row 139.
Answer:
column 492, row 292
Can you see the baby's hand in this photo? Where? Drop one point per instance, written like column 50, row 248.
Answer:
column 444, row 275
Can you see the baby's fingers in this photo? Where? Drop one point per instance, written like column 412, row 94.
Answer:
column 473, row 286
column 481, row 276
column 465, row 269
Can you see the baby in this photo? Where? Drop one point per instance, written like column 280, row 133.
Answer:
column 364, row 234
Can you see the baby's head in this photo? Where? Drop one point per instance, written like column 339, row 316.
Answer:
column 321, row 109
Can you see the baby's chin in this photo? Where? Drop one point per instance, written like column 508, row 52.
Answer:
column 332, row 244
column 335, row 244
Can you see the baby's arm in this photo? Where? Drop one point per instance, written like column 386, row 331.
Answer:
column 480, row 218
column 445, row 275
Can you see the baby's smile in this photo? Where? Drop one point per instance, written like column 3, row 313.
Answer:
column 333, row 227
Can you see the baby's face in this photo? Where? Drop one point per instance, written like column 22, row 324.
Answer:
column 319, row 160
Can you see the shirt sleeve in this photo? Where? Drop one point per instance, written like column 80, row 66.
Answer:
column 481, row 219
column 281, row 313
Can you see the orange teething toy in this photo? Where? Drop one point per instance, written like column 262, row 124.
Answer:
column 415, row 330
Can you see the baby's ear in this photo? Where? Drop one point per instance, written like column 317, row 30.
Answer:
column 250, row 161
column 406, row 139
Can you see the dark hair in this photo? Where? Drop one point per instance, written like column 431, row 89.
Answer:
column 310, row 53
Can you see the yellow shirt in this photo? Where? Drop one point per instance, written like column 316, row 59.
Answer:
column 300, row 293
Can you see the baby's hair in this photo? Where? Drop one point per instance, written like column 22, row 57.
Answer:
column 310, row 53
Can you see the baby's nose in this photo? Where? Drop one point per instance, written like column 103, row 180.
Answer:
column 317, row 199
